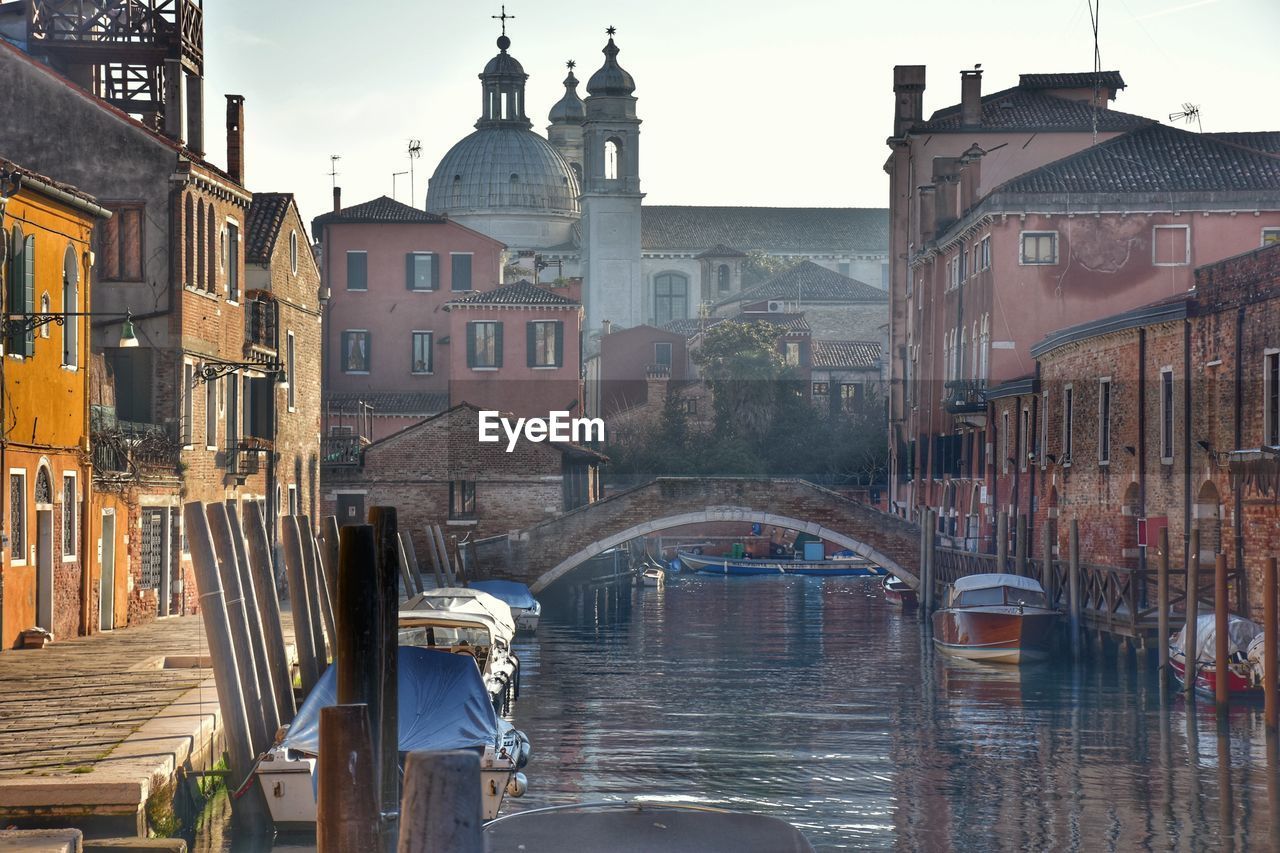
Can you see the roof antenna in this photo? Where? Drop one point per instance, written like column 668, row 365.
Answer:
column 1190, row 112
column 415, row 151
column 333, row 169
column 1095, row 10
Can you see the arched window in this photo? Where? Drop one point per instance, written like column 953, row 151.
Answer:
column 722, row 278
column 973, row 370
column 189, row 224
column 985, row 348
column 960, row 356
column 670, row 298
column 212, row 254
column 612, row 154
column 70, row 305
column 457, row 191
column 44, row 488
column 201, row 242
column 293, row 252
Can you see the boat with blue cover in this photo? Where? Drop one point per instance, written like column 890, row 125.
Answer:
column 745, row 565
column 524, row 607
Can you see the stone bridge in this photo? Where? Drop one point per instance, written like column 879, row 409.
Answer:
column 547, row 551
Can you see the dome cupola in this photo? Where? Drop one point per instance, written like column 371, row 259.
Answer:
column 611, row 79
column 570, row 109
column 503, row 82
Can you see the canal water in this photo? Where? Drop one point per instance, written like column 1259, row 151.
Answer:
column 815, row 700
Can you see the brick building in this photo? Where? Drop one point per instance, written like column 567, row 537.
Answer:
column 437, row 472
column 1169, row 413
column 835, row 306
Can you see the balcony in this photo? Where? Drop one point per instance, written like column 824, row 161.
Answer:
column 341, row 451
column 245, row 458
column 261, row 324
column 965, row 396
column 129, row 448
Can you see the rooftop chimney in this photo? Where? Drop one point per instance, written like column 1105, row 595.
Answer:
column 928, row 213
column 908, row 93
column 235, row 138
column 173, row 119
column 337, row 199
column 195, row 113
column 971, row 97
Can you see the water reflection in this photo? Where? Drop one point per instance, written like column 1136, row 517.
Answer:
column 814, row 700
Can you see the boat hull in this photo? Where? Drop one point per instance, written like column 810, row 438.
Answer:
column 1238, row 687
column 825, row 568
column 994, row 635
column 901, row 594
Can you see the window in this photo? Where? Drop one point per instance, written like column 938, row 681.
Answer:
column 1171, row 245
column 294, row 509
column 964, row 265
column 293, row 252
column 670, row 298
column 612, row 154
column 1024, row 438
column 233, row 410
column 1068, row 415
column 1039, row 247
column 188, row 402
column 722, row 277
column 1104, row 421
column 70, row 305
column 70, row 515
column 792, row 353
column 484, row 345
column 1166, row 415
column 982, row 255
column 545, row 340
column 1044, row 430
column 1270, row 235
column 850, row 395
column 22, row 292
column 462, row 499
column 192, row 248
column 421, row 354
column 843, row 268
column 210, row 415
column 211, row 255
column 290, row 384
column 821, row 389
column 357, row 270
column 121, row 243
column 421, row 271
column 1004, row 442
column 233, row 262
column 1271, row 399
column 662, row 353
column 984, row 346
column 18, row 517
column 355, row 351
column 460, row 271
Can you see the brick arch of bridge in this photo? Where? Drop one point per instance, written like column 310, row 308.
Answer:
column 564, row 543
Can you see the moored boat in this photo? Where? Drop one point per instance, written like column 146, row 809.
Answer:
column 726, row 565
column 995, row 618
column 1244, row 657
column 899, row 592
column 525, row 609
column 468, row 628
column 652, row 576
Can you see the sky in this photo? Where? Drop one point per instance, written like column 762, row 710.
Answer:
column 746, row 103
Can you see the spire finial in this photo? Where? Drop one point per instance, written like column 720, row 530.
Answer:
column 611, row 30
column 503, row 41
column 571, row 65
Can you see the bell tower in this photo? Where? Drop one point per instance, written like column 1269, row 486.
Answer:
column 611, row 198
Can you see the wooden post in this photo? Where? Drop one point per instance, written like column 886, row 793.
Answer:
column 1002, row 542
column 445, row 564
column 460, row 564
column 358, row 650
column 329, row 538
column 257, row 634
column 264, row 588
column 1269, row 668
column 402, row 564
column 1190, row 656
column 1020, row 547
column 386, row 544
column 252, row 807
column 1220, row 638
column 303, row 638
column 317, row 592
column 931, row 562
column 1162, row 602
column 260, row 734
column 441, row 803
column 410, row 561
column 1073, row 587
column 925, row 583
column 346, row 802
column 1046, row 564
column 434, row 554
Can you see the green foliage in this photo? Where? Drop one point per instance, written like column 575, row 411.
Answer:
column 742, row 366
column 760, row 266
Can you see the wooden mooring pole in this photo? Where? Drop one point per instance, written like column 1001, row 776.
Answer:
column 441, row 803
column 386, row 542
column 1270, row 664
column 445, row 564
column 300, row 605
column 347, row 801
column 264, row 589
column 1189, row 653
column 1002, row 542
column 1221, row 607
column 931, row 563
column 257, row 632
column 925, row 583
column 1073, row 587
column 1020, row 546
column 317, row 592
column 1046, row 563
column 329, row 538
column 1162, row 604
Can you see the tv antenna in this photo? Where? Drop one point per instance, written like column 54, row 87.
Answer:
column 415, row 151
column 1190, row 112
column 333, row 169
column 395, row 175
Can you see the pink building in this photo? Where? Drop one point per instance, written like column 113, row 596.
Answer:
column 516, row 349
column 390, row 269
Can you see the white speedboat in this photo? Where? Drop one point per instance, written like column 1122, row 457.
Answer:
column 443, row 704
column 525, row 609
column 471, row 630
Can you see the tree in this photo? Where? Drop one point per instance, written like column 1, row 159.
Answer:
column 741, row 365
column 760, row 266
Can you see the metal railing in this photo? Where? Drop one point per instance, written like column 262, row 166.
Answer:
column 341, row 450
column 130, row 447
column 965, row 395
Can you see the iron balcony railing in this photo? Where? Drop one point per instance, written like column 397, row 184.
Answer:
column 341, row 451
column 965, row 395
column 130, row 447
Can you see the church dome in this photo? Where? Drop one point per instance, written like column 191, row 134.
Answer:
column 503, row 167
column 570, row 109
column 611, row 79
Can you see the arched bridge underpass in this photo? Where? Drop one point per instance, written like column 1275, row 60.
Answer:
column 548, row 551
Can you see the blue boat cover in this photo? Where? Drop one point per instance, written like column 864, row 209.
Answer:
column 443, row 704
column 515, row 594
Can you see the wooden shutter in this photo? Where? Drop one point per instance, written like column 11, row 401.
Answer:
column 559, row 359
column 29, row 291
column 497, row 341
column 531, row 343
column 435, row 271
column 410, row 270
column 471, row 345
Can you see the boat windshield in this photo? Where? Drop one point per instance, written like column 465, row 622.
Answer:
column 442, row 636
column 1000, row 595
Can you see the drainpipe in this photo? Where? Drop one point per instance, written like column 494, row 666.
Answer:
column 14, row 183
column 1142, row 425
column 1237, row 498
column 88, row 550
column 1186, row 453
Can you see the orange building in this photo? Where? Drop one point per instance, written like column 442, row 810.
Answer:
column 45, row 243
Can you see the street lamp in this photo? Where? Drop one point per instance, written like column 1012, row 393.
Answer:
column 24, row 323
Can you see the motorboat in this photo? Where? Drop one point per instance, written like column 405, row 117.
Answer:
column 652, row 576
column 525, row 609
column 465, row 599
column 1244, row 657
column 468, row 629
column 995, row 618
column 746, row 565
column 899, row 592
column 641, row 826
column 443, row 704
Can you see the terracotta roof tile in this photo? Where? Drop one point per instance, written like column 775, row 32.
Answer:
column 1031, row 110
column 380, row 209
column 390, row 402
column 769, row 229
column 837, row 354
column 1266, row 141
column 1072, row 80
column 810, row 282
column 266, row 215
column 521, row 292
column 721, row 251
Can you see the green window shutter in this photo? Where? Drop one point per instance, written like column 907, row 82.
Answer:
column 460, row 269
column 409, row 271
column 471, row 345
column 13, row 291
column 435, row 271
column 497, row 345
column 559, row 354
column 29, row 291
column 531, row 343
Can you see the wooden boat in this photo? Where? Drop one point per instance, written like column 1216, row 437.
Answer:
column 641, row 827
column 525, row 609
column 472, row 625
column 1244, row 651
column 724, row 565
column 996, row 618
column 899, row 592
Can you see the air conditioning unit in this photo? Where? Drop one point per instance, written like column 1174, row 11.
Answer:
column 775, row 306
